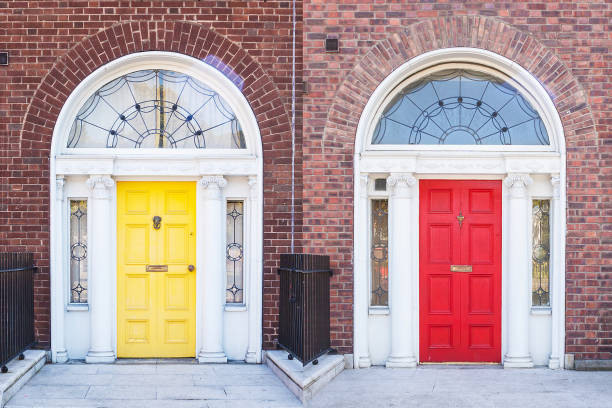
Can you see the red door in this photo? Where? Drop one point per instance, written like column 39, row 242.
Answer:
column 460, row 271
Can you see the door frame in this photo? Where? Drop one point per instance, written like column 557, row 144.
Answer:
column 455, row 162
column 242, row 169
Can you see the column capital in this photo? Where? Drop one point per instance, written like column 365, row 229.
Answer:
column 59, row 188
column 213, row 182
column 401, row 184
column 555, row 180
column 100, row 186
column 518, row 183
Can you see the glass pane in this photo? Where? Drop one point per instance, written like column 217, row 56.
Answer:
column 234, row 253
column 156, row 109
column 379, row 253
column 541, row 253
column 78, row 251
column 460, row 107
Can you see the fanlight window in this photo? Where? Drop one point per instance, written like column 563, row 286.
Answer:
column 156, row 109
column 460, row 107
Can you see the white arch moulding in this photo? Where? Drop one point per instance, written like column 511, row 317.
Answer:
column 239, row 173
column 545, row 165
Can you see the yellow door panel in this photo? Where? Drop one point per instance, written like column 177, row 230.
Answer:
column 177, row 293
column 177, row 332
column 138, row 237
column 156, row 306
column 176, row 202
column 178, row 252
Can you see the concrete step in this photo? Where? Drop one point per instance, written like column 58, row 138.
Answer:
column 19, row 372
column 306, row 381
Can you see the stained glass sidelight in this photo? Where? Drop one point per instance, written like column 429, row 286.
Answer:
column 541, row 253
column 379, row 255
column 234, row 253
column 156, row 109
column 78, row 251
column 460, row 107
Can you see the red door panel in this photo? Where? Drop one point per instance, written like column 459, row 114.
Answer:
column 460, row 312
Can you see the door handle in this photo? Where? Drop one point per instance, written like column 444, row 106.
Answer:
column 191, row 268
column 461, row 268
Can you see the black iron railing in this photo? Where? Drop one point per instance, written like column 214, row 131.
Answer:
column 16, row 305
column 304, row 306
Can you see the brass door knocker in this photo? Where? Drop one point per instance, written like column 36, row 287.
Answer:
column 460, row 218
column 156, row 222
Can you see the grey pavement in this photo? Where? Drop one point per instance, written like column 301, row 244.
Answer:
column 466, row 386
column 153, row 385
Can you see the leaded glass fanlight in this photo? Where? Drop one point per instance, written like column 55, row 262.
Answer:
column 156, row 109
column 460, row 107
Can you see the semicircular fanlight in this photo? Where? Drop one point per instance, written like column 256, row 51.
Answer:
column 460, row 107
column 156, row 109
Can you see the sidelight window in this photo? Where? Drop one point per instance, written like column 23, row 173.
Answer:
column 460, row 107
column 541, row 253
column 78, row 251
column 234, row 253
column 379, row 254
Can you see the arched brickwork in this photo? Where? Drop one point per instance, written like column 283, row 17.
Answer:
column 328, row 156
column 196, row 40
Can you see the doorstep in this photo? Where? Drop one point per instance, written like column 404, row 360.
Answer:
column 19, row 372
column 304, row 382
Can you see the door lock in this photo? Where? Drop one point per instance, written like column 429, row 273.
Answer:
column 191, row 268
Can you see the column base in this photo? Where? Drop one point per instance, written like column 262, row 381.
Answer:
column 365, row 362
column 554, row 363
column 100, row 357
column 253, row 357
column 518, row 362
column 211, row 358
column 401, row 362
column 60, row 356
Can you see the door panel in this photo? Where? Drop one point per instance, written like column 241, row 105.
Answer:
column 460, row 311
column 155, row 309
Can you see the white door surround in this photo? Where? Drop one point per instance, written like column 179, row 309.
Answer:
column 390, row 335
column 92, row 173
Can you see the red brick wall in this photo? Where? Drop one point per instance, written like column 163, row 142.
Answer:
column 55, row 44
column 566, row 45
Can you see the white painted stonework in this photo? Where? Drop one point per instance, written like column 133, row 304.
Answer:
column 89, row 331
column 390, row 335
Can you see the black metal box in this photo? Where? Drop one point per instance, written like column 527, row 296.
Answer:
column 304, row 306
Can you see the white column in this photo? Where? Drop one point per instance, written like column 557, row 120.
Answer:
column 101, row 270
column 212, row 265
column 557, row 284
column 255, row 279
column 58, row 290
column 401, row 300
column 362, row 298
column 518, row 257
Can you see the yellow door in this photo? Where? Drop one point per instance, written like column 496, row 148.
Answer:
column 155, row 287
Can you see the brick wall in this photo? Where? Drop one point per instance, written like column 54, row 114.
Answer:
column 55, row 44
column 566, row 45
